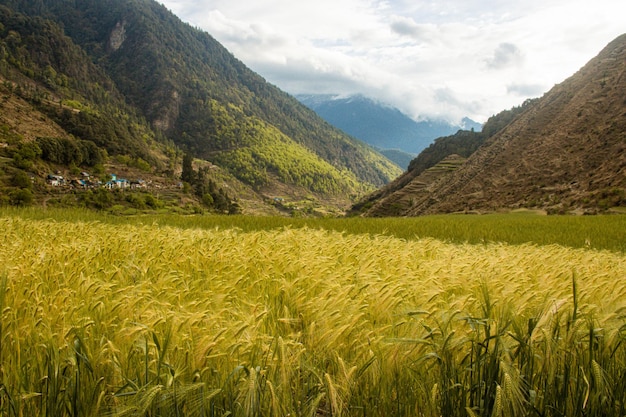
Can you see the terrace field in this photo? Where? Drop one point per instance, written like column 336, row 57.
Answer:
column 214, row 316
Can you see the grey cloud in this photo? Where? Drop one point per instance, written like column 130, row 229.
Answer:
column 525, row 90
column 404, row 26
column 505, row 55
column 446, row 95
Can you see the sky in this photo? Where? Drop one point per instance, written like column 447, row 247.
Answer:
column 445, row 59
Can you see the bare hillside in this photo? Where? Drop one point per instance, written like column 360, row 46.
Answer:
column 565, row 153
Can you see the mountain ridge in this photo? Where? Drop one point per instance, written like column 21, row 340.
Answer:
column 564, row 153
column 379, row 124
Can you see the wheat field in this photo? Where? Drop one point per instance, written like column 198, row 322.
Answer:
column 145, row 320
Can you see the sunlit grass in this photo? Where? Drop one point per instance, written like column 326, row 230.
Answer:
column 595, row 232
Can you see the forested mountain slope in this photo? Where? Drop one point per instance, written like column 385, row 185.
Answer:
column 133, row 79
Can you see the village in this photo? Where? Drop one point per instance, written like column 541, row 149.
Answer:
column 87, row 181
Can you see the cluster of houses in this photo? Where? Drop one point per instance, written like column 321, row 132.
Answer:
column 87, row 181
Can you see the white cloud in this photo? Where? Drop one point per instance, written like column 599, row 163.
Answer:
column 450, row 58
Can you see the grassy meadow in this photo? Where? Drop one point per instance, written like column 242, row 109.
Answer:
column 229, row 316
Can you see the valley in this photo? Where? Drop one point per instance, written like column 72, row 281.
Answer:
column 179, row 237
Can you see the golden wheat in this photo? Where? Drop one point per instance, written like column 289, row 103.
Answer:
column 102, row 319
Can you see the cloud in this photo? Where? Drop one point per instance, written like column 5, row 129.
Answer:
column 526, row 90
column 310, row 74
column 405, row 26
column 449, row 58
column 505, row 55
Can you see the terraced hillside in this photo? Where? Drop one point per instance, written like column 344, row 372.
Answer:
column 415, row 189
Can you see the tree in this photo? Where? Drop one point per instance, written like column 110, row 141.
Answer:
column 188, row 175
column 207, row 200
column 22, row 180
column 21, row 197
column 25, row 155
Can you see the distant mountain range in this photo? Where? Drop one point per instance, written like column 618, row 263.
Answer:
column 562, row 153
column 380, row 125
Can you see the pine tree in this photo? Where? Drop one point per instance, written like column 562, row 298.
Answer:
column 188, row 174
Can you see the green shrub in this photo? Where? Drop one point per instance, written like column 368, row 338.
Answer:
column 22, row 197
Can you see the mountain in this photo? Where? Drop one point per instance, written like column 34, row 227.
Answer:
column 563, row 153
column 398, row 157
column 380, row 125
column 441, row 157
column 130, row 78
